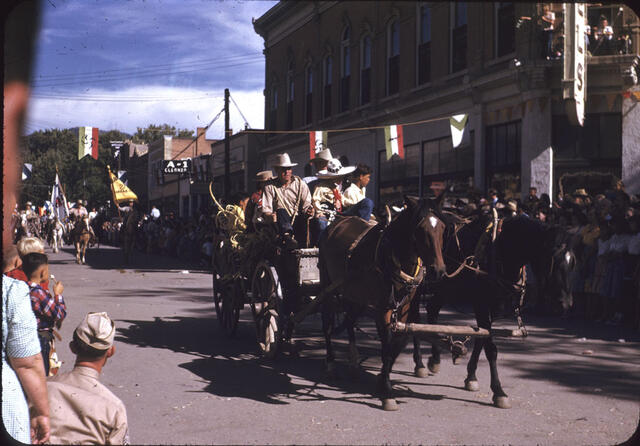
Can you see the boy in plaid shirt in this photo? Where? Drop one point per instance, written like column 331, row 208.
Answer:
column 50, row 310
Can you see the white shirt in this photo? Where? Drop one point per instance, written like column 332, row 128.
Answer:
column 353, row 195
column 155, row 213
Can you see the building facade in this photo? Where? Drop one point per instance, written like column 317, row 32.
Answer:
column 167, row 192
column 344, row 65
column 245, row 160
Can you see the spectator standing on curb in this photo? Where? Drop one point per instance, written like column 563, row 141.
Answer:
column 23, row 381
column 83, row 410
column 49, row 310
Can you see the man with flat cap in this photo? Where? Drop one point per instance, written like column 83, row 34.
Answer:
column 84, row 411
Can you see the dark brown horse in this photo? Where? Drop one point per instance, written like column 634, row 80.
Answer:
column 380, row 269
column 521, row 241
column 81, row 235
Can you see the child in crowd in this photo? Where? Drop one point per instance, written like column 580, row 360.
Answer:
column 49, row 310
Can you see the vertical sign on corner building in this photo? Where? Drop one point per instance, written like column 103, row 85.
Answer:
column 574, row 79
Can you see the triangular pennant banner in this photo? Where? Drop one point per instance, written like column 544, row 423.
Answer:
column 121, row 193
column 88, row 142
column 393, row 140
column 122, row 176
column 317, row 142
column 636, row 94
column 26, row 171
column 458, row 125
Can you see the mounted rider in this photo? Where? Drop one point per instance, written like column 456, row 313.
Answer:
column 285, row 199
column 79, row 212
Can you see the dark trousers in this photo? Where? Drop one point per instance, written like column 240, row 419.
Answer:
column 362, row 209
column 45, row 348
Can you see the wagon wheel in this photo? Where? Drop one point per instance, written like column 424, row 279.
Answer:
column 231, row 296
column 266, row 303
column 217, row 271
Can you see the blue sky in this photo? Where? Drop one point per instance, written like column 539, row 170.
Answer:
column 126, row 64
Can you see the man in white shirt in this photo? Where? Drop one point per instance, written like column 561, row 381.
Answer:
column 354, row 198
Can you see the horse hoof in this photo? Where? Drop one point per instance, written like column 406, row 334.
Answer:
column 434, row 367
column 502, row 402
column 389, row 404
column 420, row 372
column 457, row 360
column 471, row 385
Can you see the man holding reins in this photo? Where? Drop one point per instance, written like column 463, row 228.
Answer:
column 285, row 199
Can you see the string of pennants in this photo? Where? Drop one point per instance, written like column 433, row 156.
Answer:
column 520, row 110
column 393, row 135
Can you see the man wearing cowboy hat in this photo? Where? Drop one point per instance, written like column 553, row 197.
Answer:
column 83, row 410
column 253, row 213
column 327, row 196
column 319, row 162
column 285, row 198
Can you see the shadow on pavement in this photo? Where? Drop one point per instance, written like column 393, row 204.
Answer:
column 231, row 367
column 110, row 257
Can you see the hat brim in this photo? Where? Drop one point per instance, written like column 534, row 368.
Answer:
column 286, row 165
column 323, row 174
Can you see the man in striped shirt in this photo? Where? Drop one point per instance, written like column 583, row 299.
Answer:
column 50, row 310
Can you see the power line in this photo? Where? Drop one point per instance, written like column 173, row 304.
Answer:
column 238, row 108
column 135, row 76
column 148, row 67
column 121, row 99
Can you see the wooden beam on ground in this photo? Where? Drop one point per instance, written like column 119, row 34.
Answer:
column 431, row 329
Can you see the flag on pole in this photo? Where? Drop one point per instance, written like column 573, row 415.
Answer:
column 121, row 193
column 458, row 125
column 317, row 142
column 88, row 142
column 26, row 171
column 122, row 176
column 393, row 141
column 59, row 201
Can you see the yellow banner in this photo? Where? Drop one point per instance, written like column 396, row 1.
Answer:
column 121, row 193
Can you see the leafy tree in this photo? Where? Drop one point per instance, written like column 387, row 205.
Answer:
column 154, row 132
column 81, row 179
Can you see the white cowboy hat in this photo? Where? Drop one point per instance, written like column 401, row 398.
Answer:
column 334, row 169
column 265, row 175
column 283, row 160
column 324, row 155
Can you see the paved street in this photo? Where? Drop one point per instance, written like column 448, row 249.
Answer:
column 183, row 382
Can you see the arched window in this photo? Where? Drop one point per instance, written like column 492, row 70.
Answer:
column 290, row 95
column 424, row 45
column 393, row 58
column 327, row 81
column 345, row 69
column 308, row 88
column 365, row 70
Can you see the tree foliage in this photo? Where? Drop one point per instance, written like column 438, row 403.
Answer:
column 154, row 132
column 86, row 178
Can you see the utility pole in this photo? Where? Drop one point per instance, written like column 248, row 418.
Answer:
column 227, row 168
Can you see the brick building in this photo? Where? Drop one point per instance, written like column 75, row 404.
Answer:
column 333, row 65
column 165, row 191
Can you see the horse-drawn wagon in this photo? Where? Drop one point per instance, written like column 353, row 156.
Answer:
column 365, row 269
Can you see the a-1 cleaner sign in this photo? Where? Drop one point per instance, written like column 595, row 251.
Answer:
column 176, row 166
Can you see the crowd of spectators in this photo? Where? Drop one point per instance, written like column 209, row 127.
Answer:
column 187, row 238
column 603, row 233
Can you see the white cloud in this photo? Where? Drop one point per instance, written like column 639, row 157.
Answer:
column 126, row 110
